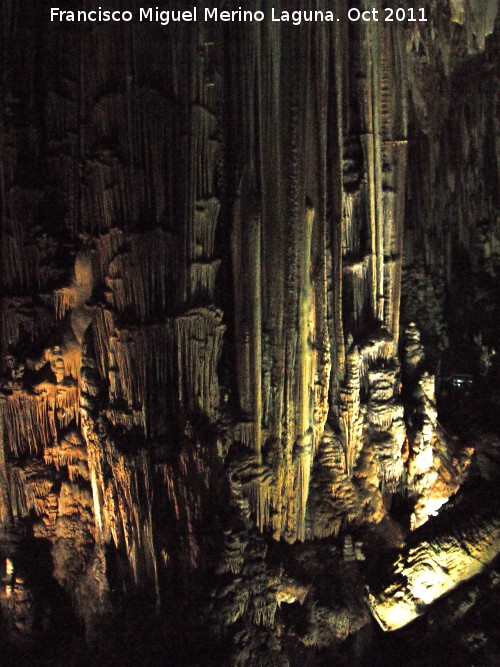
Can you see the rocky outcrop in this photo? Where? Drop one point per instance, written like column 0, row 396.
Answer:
column 431, row 565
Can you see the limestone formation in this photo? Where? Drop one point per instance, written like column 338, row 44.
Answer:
column 248, row 329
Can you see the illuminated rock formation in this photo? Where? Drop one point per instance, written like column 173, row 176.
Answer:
column 431, row 567
column 242, row 266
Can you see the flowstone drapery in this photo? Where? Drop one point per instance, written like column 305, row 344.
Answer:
column 232, row 298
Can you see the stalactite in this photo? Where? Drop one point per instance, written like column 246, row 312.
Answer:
column 23, row 318
column 370, row 138
column 28, row 433
column 338, row 214
column 29, row 488
column 198, row 341
column 205, row 221
column 202, row 280
column 64, row 300
column 355, row 285
column 349, row 416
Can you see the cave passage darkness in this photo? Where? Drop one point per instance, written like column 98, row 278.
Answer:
column 250, row 381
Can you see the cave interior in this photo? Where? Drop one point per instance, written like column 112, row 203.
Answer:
column 249, row 381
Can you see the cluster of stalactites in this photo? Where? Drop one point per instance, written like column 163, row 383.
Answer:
column 278, row 497
column 153, row 350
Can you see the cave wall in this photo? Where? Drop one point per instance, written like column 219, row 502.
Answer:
column 219, row 245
